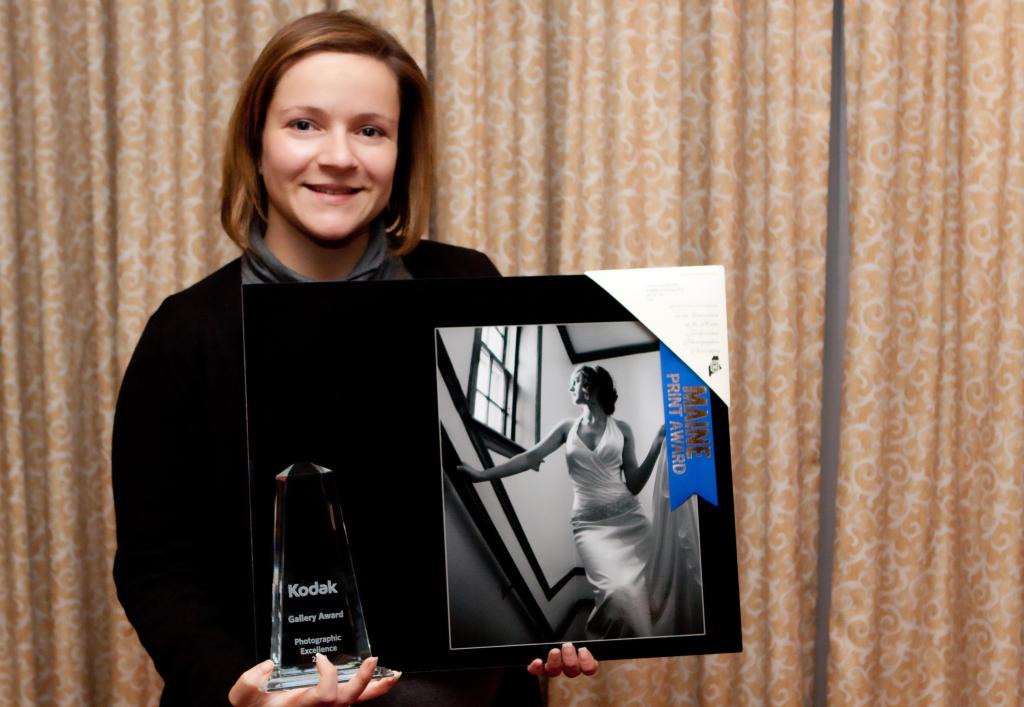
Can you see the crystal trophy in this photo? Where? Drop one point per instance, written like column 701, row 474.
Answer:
column 315, row 605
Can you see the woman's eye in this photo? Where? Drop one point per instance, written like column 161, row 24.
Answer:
column 302, row 125
column 370, row 131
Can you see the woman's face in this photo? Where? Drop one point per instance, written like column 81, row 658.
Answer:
column 330, row 142
column 577, row 390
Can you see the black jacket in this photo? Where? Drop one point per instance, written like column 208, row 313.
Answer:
column 183, row 565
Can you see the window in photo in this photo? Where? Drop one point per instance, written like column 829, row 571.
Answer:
column 493, row 387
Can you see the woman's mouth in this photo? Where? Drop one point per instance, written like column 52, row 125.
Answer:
column 333, row 190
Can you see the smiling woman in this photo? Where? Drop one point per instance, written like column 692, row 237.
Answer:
column 327, row 176
column 332, row 103
column 330, row 144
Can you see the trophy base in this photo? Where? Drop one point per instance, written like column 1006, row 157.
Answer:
column 289, row 678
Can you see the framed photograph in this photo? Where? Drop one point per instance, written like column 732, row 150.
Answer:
column 518, row 462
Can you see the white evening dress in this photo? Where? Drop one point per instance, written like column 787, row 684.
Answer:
column 612, row 534
column 674, row 570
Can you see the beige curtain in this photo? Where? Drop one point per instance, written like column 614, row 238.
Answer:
column 927, row 603
column 677, row 133
column 572, row 135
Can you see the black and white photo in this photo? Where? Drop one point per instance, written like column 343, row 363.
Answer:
column 554, row 442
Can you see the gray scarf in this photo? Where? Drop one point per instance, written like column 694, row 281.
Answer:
column 260, row 266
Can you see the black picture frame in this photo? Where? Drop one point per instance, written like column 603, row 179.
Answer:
column 348, row 376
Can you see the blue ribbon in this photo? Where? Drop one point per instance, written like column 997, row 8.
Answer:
column 689, row 438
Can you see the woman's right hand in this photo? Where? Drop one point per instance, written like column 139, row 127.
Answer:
column 248, row 692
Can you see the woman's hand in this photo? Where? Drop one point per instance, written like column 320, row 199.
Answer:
column 326, row 693
column 468, row 473
column 565, row 661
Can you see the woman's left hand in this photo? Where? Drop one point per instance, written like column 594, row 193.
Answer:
column 565, row 661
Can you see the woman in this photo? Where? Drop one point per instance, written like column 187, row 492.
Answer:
column 612, row 534
column 327, row 176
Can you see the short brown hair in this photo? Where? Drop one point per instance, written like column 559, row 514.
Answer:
column 243, row 195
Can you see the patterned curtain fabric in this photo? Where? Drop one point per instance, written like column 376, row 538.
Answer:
column 686, row 133
column 572, row 135
column 927, row 604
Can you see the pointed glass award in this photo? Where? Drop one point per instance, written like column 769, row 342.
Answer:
column 315, row 605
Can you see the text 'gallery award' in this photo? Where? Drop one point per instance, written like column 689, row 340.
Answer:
column 316, row 606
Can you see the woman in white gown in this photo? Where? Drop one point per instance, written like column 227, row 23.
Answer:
column 612, row 534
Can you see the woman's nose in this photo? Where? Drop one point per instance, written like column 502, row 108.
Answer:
column 337, row 152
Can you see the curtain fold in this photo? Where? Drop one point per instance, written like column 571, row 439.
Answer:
column 491, row 90
column 49, row 358
column 927, row 585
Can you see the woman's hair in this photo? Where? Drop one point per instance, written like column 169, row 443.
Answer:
column 243, row 195
column 598, row 383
